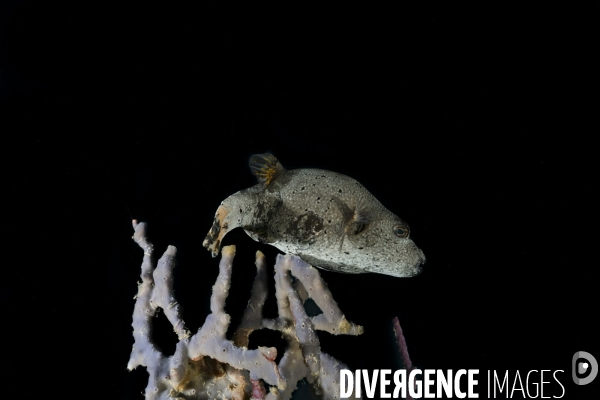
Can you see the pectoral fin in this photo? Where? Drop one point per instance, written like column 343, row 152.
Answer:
column 354, row 220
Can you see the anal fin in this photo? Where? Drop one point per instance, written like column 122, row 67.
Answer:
column 259, row 233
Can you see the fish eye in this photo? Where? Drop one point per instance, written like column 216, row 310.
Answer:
column 401, row 231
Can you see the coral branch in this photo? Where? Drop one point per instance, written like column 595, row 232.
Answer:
column 163, row 297
column 207, row 364
column 211, row 341
column 332, row 319
column 253, row 317
column 143, row 311
column 402, row 347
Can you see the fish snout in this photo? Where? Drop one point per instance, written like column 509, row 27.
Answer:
column 419, row 262
column 415, row 266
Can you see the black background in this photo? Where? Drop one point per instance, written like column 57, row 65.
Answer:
column 473, row 124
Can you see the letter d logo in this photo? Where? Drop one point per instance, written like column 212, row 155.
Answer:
column 582, row 368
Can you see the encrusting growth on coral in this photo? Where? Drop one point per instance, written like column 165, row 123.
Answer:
column 206, row 365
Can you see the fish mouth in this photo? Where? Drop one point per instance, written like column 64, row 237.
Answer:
column 417, row 265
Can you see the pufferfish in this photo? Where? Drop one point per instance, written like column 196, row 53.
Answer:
column 328, row 219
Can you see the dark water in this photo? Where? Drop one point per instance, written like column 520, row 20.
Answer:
column 473, row 125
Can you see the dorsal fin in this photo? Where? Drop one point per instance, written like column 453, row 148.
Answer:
column 265, row 167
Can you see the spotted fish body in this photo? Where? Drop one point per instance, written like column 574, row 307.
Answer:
column 328, row 219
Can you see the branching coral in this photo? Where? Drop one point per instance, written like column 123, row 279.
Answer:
column 207, row 365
